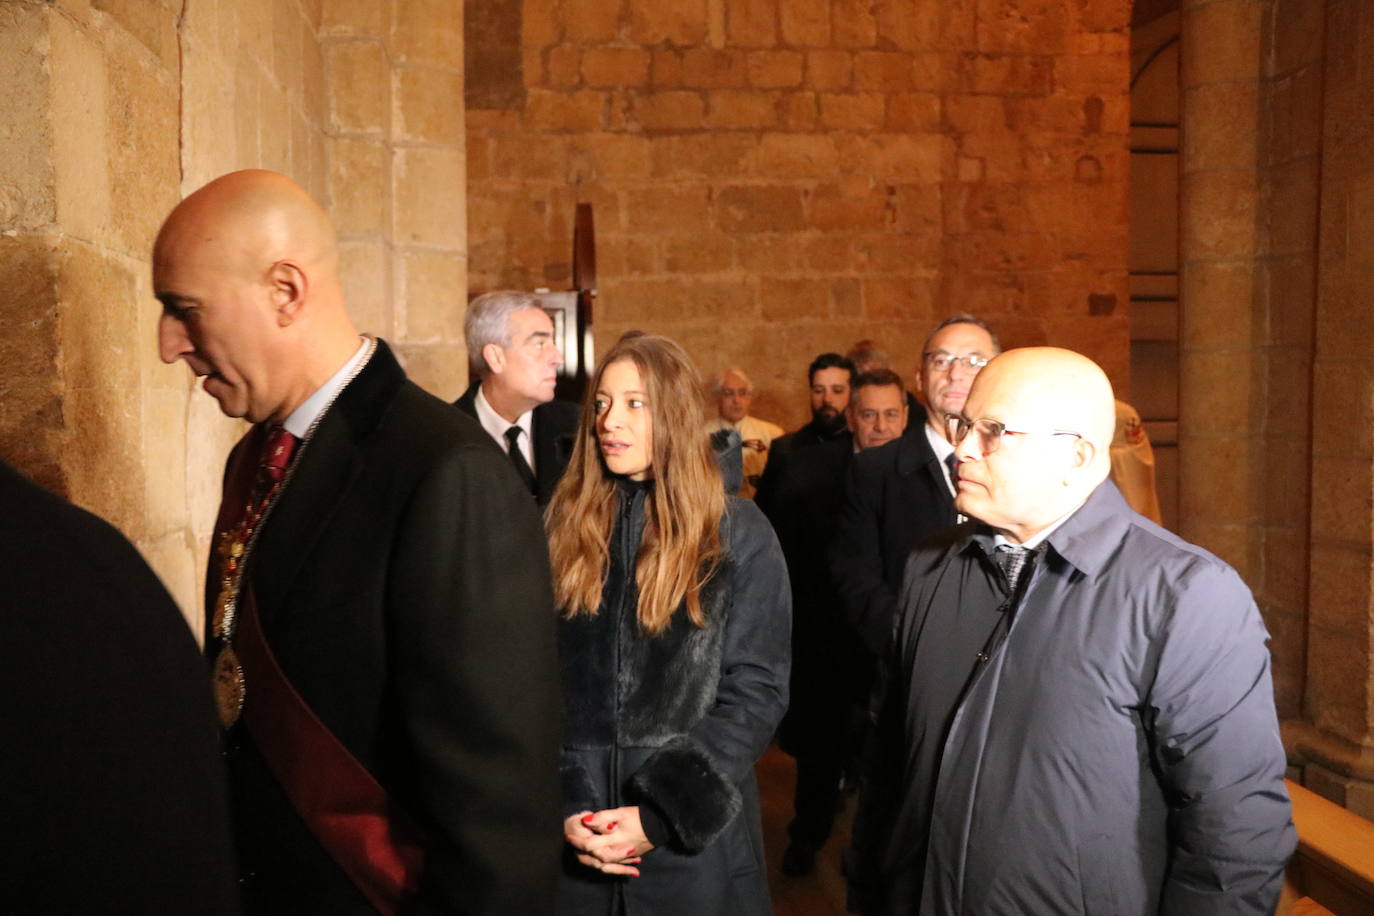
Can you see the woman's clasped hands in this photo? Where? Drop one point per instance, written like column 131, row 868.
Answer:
column 610, row 841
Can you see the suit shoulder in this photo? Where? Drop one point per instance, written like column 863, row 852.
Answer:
column 872, row 461
column 826, row 459
column 561, row 416
column 39, row 520
column 42, row 534
column 425, row 422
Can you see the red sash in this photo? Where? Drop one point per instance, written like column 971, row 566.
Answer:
column 375, row 843
column 357, row 823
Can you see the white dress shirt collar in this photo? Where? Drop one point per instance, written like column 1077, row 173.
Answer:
column 496, row 426
column 304, row 416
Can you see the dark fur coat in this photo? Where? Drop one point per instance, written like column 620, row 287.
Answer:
column 676, row 722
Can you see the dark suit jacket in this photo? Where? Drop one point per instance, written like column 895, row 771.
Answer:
column 829, row 667
column 403, row 583
column 113, row 797
column 553, row 428
column 787, row 444
column 895, row 495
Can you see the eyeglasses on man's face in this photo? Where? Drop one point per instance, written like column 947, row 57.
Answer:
column 989, row 432
column 941, row 361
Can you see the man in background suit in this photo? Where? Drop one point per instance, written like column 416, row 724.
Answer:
column 899, row 493
column 513, row 361
column 829, row 377
column 379, row 599
column 830, row 668
column 114, row 791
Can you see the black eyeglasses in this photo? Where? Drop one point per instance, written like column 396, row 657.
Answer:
column 990, row 432
column 943, row 362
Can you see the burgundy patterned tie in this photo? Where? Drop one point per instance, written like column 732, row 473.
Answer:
column 276, row 456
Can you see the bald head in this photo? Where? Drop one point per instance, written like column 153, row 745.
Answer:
column 1059, row 414
column 251, row 219
column 246, row 269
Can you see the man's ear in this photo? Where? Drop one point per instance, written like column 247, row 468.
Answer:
column 1084, row 454
column 289, row 286
column 850, row 419
column 495, row 358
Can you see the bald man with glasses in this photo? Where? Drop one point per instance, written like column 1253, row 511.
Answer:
column 1078, row 714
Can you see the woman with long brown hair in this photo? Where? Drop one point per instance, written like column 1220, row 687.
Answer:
column 674, row 639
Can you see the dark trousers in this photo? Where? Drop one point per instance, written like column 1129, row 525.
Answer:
column 817, row 795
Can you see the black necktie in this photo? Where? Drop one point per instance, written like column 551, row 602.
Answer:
column 517, row 457
column 952, row 462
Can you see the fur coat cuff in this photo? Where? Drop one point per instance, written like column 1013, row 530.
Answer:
column 696, row 798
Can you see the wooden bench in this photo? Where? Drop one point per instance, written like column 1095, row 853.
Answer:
column 1333, row 870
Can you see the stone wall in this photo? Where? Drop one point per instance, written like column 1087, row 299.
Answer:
column 91, row 123
column 1275, row 390
column 115, row 109
column 1245, row 346
column 1289, row 171
column 1339, row 698
column 776, row 178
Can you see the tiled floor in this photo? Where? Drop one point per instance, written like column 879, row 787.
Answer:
column 822, row 892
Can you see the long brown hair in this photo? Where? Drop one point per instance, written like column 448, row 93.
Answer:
column 681, row 547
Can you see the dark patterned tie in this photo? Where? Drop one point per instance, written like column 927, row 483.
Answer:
column 952, row 463
column 517, row 457
column 1012, row 560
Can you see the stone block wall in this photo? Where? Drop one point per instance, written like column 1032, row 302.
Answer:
column 117, row 108
column 1339, row 698
column 776, row 178
column 1289, row 165
column 92, row 122
column 1251, row 111
column 394, row 118
column 1275, row 390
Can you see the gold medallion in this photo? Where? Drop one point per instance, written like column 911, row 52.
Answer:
column 229, row 686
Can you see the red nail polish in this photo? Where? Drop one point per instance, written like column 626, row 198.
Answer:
column 630, row 851
column 611, row 826
column 588, row 819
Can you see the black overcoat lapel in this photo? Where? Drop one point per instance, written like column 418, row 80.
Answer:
column 329, row 464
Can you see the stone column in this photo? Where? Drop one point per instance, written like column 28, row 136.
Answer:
column 1336, row 740
column 1251, row 123
column 1220, row 484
